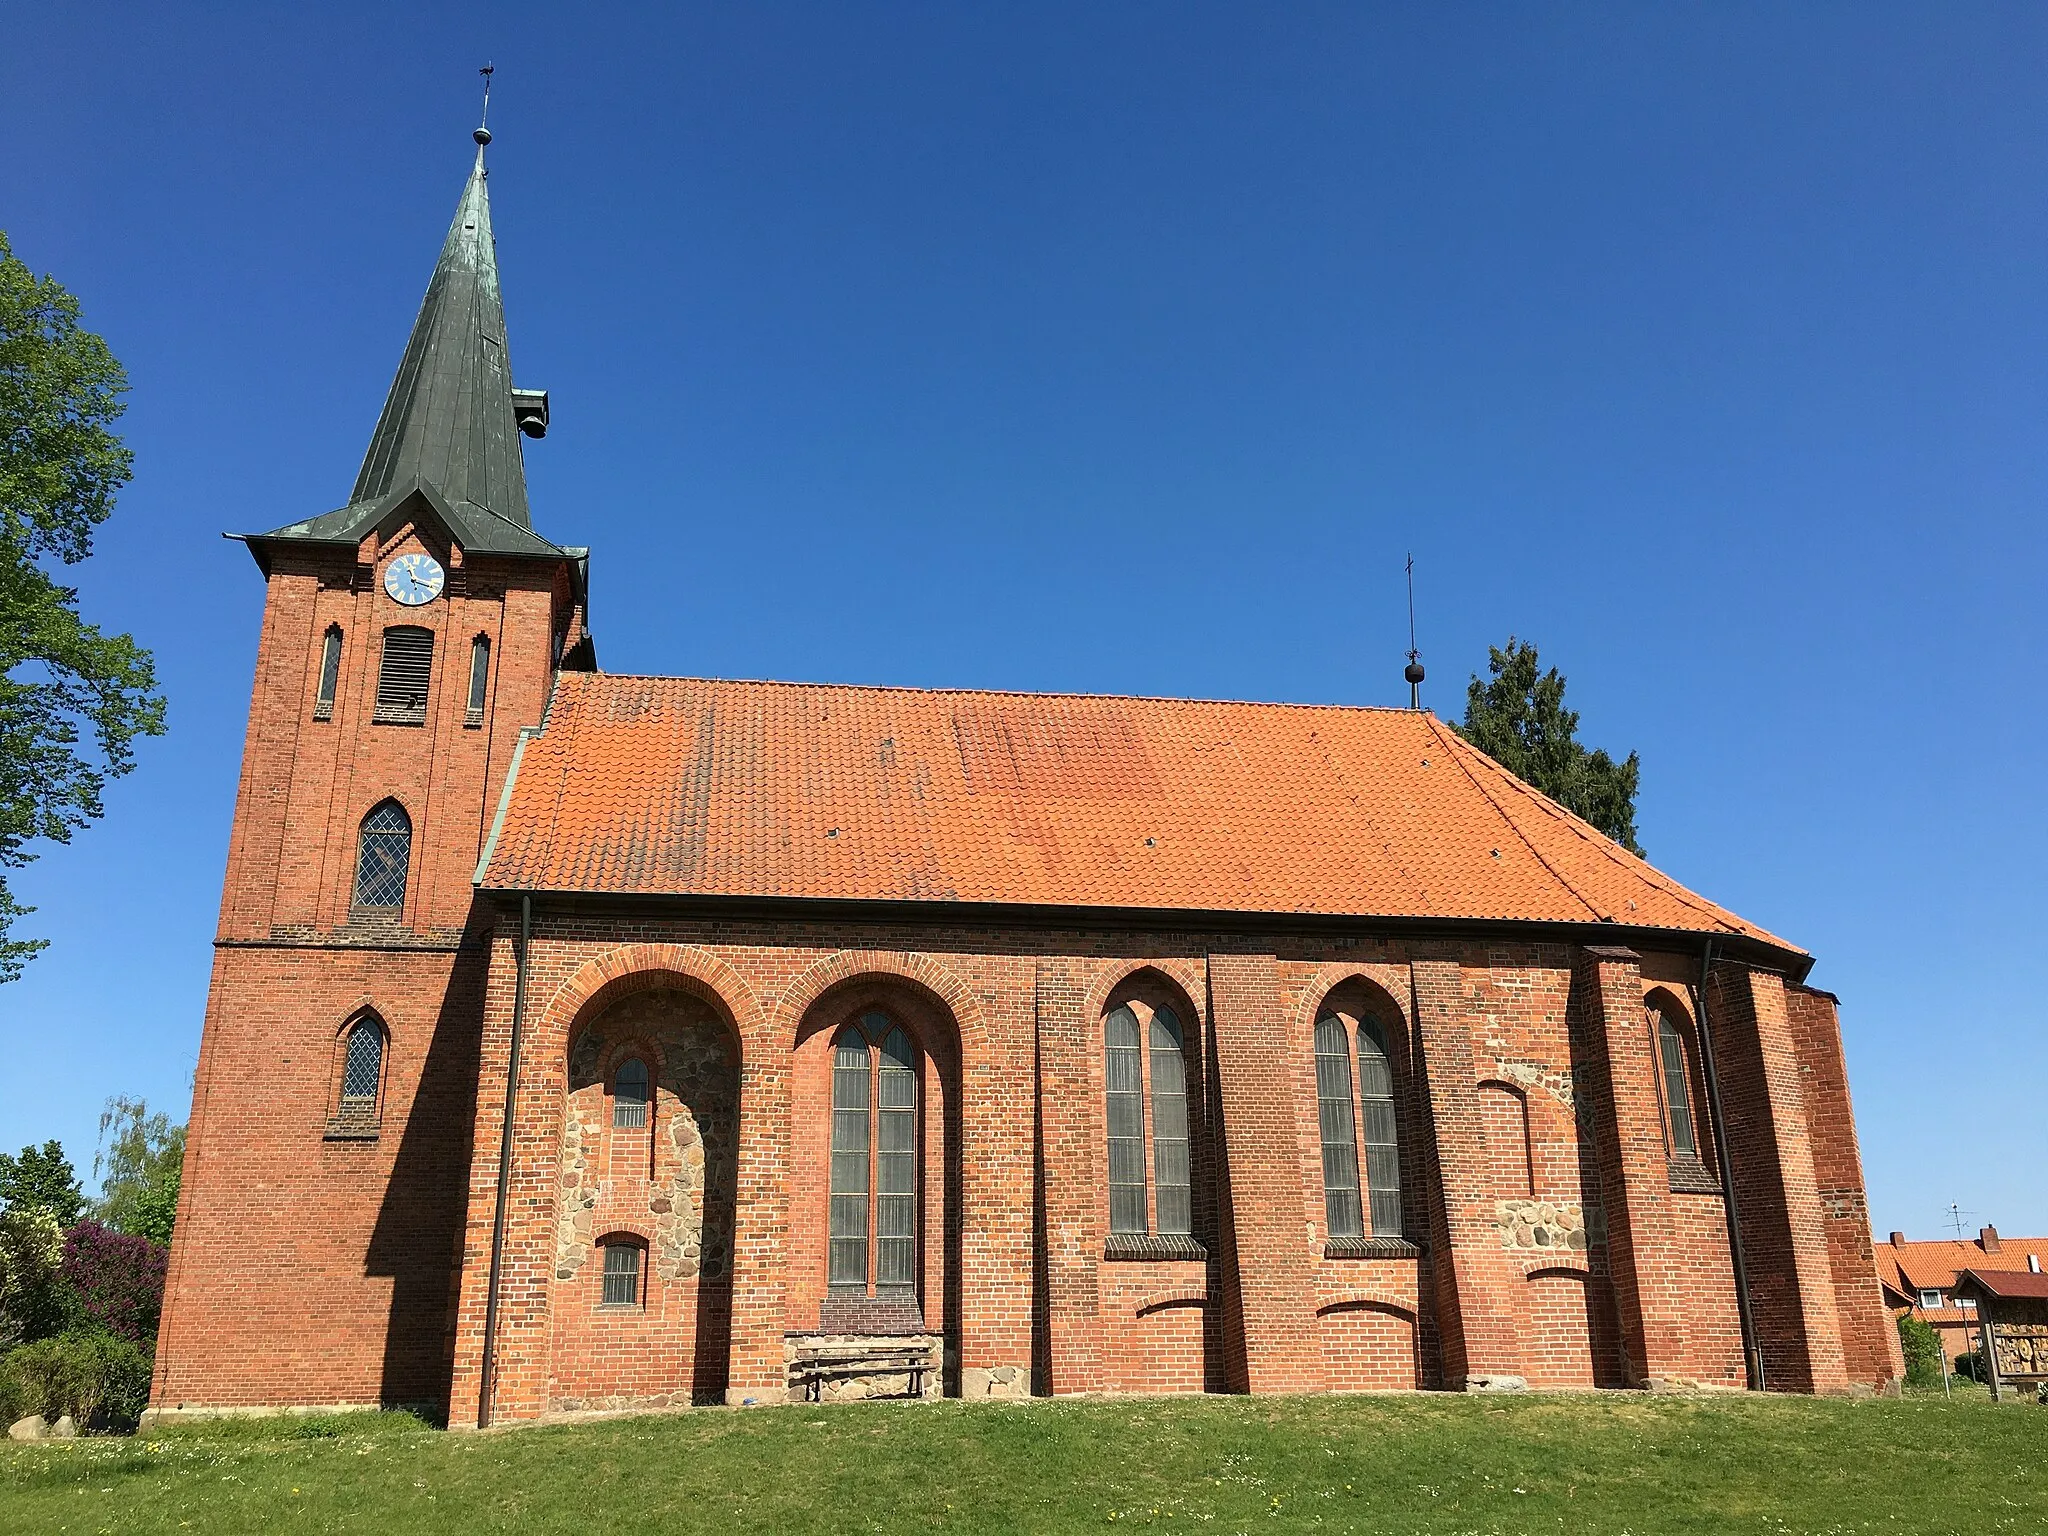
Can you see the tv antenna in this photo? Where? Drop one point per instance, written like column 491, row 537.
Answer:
column 1955, row 1219
column 1414, row 669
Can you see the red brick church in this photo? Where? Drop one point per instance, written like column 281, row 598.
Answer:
column 581, row 1042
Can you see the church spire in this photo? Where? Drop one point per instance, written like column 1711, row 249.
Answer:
column 452, row 419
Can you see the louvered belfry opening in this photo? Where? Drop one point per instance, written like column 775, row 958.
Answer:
column 402, row 678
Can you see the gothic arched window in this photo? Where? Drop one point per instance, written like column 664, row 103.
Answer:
column 362, row 1067
column 1341, row 1209
column 479, row 679
column 1382, row 1140
column 330, row 674
column 1147, row 1067
column 382, row 858
column 1378, row 1127
column 1678, row 1119
column 874, row 1148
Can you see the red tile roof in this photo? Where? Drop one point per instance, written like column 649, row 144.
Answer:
column 1911, row 1267
column 654, row 785
column 2005, row 1284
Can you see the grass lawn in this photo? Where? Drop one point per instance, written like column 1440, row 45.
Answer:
column 1436, row 1463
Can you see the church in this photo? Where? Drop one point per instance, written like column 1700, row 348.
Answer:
column 582, row 1043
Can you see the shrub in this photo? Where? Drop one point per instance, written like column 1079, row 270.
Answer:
column 100, row 1380
column 1967, row 1366
column 119, row 1279
column 1921, row 1346
column 34, row 1301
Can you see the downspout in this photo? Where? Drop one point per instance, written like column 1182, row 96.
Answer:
column 1752, row 1353
column 484, row 1394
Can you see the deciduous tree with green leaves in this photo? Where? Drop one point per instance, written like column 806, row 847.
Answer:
column 42, row 1178
column 1517, row 717
column 60, row 466
column 139, row 1164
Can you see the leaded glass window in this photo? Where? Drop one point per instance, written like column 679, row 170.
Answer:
column 1677, row 1089
column 362, row 1066
column 847, row 1263
column 383, row 856
column 622, row 1274
column 896, row 1163
column 1170, row 1204
column 629, row 1095
column 1382, row 1139
column 1341, row 1210
column 1124, row 1076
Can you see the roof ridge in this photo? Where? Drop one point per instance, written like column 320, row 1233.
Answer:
column 1611, row 850
column 1013, row 693
column 1513, row 825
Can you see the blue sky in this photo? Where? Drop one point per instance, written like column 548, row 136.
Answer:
column 1131, row 349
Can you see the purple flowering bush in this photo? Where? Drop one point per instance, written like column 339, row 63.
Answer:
column 118, row 1279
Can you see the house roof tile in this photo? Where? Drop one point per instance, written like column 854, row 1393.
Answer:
column 650, row 785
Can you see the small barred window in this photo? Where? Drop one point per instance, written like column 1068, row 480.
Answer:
column 330, row 674
column 362, row 1067
column 479, row 678
column 622, row 1274
column 629, row 1095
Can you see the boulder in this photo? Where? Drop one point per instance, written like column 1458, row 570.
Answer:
column 30, row 1428
column 64, row 1428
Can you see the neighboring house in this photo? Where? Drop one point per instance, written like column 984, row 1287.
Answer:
column 581, row 1041
column 1920, row 1279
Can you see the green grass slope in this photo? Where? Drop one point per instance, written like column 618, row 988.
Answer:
column 1579, row 1464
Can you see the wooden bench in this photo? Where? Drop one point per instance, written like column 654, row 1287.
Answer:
column 818, row 1363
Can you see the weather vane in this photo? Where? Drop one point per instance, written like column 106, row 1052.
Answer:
column 483, row 126
column 1414, row 669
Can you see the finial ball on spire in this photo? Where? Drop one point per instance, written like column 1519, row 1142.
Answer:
column 481, row 135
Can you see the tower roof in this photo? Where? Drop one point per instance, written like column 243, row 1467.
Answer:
column 451, row 424
column 448, row 419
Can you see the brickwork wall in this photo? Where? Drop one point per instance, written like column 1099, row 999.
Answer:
column 1870, row 1339
column 308, row 1269
column 1791, row 1280
column 1015, row 1277
column 1546, row 1241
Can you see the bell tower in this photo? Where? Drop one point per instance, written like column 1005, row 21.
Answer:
column 408, row 638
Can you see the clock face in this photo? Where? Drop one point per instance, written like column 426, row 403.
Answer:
column 413, row 579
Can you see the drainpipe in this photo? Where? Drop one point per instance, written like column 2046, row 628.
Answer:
column 484, row 1395
column 1752, row 1352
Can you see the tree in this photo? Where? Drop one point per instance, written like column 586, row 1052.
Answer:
column 60, row 465
column 1517, row 718
column 41, row 1178
column 1921, row 1347
column 139, row 1163
column 31, row 1250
